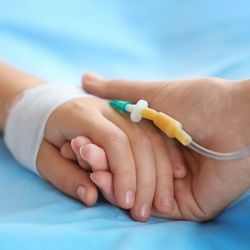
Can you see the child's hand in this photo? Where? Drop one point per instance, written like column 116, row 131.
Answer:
column 130, row 150
column 93, row 158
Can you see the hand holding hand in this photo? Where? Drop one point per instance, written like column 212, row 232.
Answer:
column 214, row 112
column 130, row 151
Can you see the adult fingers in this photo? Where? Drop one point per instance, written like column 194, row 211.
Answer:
column 115, row 143
column 118, row 89
column 175, row 213
column 145, row 166
column 120, row 157
column 126, row 89
column 65, row 175
column 176, row 157
column 121, row 162
column 97, row 160
column 164, row 193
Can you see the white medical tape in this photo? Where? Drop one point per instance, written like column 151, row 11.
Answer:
column 26, row 121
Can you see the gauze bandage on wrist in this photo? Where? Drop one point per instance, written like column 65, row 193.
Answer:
column 25, row 124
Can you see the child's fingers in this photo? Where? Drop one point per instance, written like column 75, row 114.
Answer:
column 76, row 145
column 77, row 142
column 97, row 160
column 104, row 181
column 65, row 175
column 95, row 156
column 89, row 156
column 87, row 152
column 67, row 152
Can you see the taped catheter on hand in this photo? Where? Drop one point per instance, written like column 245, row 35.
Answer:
column 172, row 128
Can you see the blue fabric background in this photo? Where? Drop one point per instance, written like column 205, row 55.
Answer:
column 160, row 39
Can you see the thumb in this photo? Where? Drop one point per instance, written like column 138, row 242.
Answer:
column 65, row 175
column 117, row 89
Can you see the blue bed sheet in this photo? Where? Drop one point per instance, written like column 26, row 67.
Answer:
column 160, row 39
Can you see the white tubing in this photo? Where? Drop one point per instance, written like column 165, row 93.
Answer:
column 229, row 156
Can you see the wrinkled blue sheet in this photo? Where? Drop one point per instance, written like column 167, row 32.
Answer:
column 161, row 39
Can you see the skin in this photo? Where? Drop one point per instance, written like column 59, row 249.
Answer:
column 136, row 168
column 214, row 111
column 93, row 158
column 68, row 178
column 133, row 170
column 201, row 191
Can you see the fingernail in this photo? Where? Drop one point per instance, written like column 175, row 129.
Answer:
column 72, row 144
column 91, row 176
column 166, row 200
column 73, row 141
column 81, row 192
column 82, row 152
column 129, row 198
column 144, row 210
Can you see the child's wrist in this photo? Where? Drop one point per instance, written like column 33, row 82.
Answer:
column 8, row 105
column 27, row 119
column 10, row 100
column 12, row 83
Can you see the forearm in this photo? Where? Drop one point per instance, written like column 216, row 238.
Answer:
column 241, row 107
column 12, row 83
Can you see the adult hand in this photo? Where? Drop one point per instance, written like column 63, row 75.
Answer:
column 139, row 171
column 93, row 158
column 214, row 112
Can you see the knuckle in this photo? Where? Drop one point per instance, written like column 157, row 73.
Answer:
column 75, row 106
column 117, row 137
column 80, row 104
column 143, row 140
column 159, row 208
column 148, row 189
column 147, row 185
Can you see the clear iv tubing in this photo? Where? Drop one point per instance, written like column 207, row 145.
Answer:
column 236, row 155
column 184, row 138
